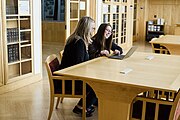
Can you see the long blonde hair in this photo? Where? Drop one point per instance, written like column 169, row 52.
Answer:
column 82, row 31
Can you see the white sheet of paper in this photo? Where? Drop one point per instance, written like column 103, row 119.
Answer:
column 105, row 8
column 82, row 5
column 24, row 7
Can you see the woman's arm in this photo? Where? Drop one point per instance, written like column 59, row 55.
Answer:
column 115, row 47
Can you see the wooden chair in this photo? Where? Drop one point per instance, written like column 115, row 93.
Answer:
column 157, row 48
column 58, row 100
column 61, row 86
column 162, row 103
column 61, row 54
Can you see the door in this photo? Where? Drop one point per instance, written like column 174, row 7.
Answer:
column 75, row 9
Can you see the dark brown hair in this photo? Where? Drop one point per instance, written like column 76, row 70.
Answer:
column 100, row 40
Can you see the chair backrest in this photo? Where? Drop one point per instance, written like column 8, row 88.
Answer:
column 158, row 105
column 157, row 48
column 175, row 110
column 52, row 64
column 60, row 85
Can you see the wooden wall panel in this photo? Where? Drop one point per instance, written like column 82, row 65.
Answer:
column 53, row 32
column 177, row 1
column 92, row 9
column 167, row 9
column 168, row 14
column 155, row 10
column 177, row 13
column 177, row 31
column 142, row 17
column 156, row 2
column 163, row 2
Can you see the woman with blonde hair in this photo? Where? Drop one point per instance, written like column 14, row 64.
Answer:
column 75, row 52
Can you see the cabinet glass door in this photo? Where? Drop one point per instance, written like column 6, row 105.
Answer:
column 123, row 24
column 115, row 12
column 18, row 39
column 75, row 10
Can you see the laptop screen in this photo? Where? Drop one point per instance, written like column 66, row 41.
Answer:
column 130, row 52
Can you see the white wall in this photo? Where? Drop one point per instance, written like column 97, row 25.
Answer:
column 99, row 14
column 36, row 22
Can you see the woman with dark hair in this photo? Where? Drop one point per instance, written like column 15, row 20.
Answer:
column 102, row 42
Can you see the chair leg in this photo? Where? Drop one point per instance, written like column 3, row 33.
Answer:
column 51, row 107
column 57, row 103
column 62, row 98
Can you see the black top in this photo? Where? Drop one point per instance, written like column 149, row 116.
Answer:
column 74, row 53
column 94, row 49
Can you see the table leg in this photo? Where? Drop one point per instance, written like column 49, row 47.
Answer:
column 114, row 99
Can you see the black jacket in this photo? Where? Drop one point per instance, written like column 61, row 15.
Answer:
column 94, row 50
column 74, row 53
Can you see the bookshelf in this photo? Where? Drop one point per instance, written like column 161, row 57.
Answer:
column 18, row 40
column 154, row 29
column 116, row 13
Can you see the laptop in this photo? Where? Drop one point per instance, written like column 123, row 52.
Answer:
column 128, row 54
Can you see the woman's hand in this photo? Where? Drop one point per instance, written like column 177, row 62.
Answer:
column 105, row 52
column 117, row 52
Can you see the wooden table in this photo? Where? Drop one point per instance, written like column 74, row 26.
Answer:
column 116, row 91
column 171, row 42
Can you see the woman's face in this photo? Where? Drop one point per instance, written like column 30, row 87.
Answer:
column 92, row 28
column 107, row 32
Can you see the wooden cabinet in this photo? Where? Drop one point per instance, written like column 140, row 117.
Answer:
column 17, row 29
column 118, row 14
column 20, row 61
column 154, row 30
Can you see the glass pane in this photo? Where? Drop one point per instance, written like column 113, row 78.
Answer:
column 25, row 37
column 25, row 23
column 134, row 28
column 26, row 67
column 12, row 35
column 53, row 10
column 25, row 52
column 106, row 18
column 73, row 25
column 11, row 7
column 125, row 1
column 135, row 11
column 24, row 7
column 82, row 13
column 13, row 71
column 74, row 10
column 13, row 53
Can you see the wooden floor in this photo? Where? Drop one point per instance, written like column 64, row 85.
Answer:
column 32, row 102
